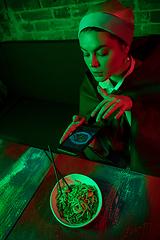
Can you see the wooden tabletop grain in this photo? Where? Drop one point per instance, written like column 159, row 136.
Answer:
column 22, row 169
column 130, row 206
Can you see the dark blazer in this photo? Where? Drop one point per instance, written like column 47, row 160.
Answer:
column 143, row 87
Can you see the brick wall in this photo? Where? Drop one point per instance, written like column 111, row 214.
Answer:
column 59, row 19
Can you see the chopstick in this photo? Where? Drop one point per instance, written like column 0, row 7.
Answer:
column 56, row 169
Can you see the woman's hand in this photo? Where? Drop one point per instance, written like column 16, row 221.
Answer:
column 77, row 121
column 110, row 104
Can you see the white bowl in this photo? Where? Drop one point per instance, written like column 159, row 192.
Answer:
column 70, row 179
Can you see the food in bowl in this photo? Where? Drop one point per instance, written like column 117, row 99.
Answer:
column 75, row 179
column 79, row 204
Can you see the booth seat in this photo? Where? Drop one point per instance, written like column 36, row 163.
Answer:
column 43, row 80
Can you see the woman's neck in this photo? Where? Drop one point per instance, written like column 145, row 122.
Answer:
column 121, row 72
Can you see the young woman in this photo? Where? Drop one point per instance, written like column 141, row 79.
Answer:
column 120, row 91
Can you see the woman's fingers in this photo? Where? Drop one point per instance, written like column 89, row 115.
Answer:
column 109, row 108
column 108, row 101
column 102, row 108
column 67, row 132
column 121, row 111
column 77, row 121
column 112, row 109
column 110, row 104
column 75, row 118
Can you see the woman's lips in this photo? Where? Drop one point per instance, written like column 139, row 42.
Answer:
column 97, row 74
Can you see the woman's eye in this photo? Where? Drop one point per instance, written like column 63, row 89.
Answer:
column 103, row 54
column 85, row 55
column 99, row 54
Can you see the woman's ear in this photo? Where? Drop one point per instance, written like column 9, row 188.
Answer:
column 125, row 48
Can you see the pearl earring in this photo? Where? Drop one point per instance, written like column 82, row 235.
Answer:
column 127, row 59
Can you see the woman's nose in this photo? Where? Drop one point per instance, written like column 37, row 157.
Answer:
column 94, row 61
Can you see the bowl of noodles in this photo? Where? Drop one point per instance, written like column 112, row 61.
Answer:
column 79, row 205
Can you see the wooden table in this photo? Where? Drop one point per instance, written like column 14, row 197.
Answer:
column 130, row 206
column 22, row 169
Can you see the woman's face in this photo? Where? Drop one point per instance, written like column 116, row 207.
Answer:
column 103, row 54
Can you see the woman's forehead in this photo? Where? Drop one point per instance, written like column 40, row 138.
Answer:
column 93, row 39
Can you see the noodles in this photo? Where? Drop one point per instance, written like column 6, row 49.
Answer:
column 78, row 205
